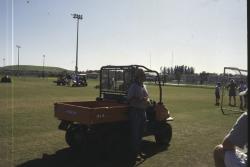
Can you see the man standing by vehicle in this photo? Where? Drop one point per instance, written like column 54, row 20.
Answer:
column 138, row 102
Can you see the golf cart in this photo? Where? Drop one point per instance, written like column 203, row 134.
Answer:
column 79, row 80
column 6, row 79
column 104, row 121
column 63, row 80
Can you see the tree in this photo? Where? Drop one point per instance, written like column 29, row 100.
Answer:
column 164, row 74
column 191, row 70
column 203, row 77
column 178, row 76
column 178, row 71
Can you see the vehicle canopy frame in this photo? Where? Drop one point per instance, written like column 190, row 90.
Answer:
column 111, row 75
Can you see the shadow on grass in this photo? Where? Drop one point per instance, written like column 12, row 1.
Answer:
column 67, row 157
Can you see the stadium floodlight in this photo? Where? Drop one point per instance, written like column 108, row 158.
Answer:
column 18, row 47
column 78, row 17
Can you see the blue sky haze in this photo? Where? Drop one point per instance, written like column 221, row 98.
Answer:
column 205, row 34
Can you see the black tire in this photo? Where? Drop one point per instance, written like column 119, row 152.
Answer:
column 76, row 137
column 163, row 134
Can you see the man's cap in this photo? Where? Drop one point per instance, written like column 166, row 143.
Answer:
column 243, row 93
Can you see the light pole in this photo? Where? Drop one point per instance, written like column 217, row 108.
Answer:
column 3, row 62
column 78, row 17
column 18, row 47
column 43, row 64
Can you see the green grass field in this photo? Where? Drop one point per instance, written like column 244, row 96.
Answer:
column 29, row 134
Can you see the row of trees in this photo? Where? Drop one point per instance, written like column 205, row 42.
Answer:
column 176, row 71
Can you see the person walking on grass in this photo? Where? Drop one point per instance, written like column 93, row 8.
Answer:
column 217, row 94
column 232, row 92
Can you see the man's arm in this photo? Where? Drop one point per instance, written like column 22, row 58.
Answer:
column 238, row 134
column 227, row 144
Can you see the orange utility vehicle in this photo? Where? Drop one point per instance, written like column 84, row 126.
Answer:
column 104, row 122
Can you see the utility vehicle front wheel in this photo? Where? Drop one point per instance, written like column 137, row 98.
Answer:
column 163, row 134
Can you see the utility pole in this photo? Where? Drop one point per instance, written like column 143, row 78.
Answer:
column 78, row 17
column 43, row 64
column 150, row 60
column 3, row 62
column 18, row 47
column 172, row 62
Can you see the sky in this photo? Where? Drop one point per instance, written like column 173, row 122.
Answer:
column 205, row 34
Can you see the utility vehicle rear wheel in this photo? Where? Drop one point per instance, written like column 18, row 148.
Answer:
column 76, row 137
column 163, row 134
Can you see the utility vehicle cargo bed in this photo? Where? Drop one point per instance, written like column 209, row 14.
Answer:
column 91, row 112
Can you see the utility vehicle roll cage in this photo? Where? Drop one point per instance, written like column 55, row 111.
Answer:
column 115, row 80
